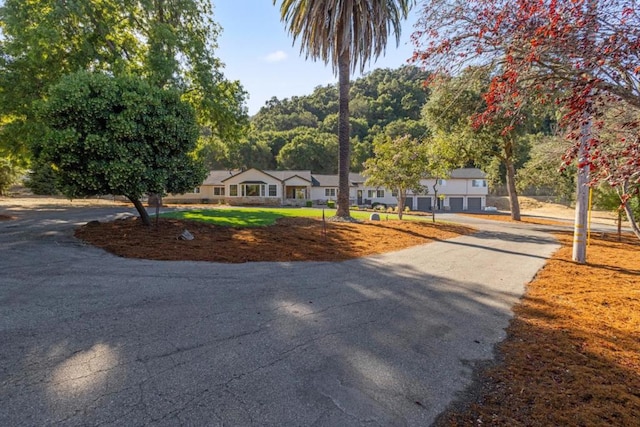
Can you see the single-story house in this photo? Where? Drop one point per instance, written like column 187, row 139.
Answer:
column 464, row 189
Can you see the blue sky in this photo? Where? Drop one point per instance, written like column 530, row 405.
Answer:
column 258, row 51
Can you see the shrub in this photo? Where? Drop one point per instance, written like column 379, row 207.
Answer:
column 354, row 208
column 406, row 209
column 309, row 203
column 331, row 204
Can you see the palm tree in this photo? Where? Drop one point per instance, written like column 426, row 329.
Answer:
column 345, row 33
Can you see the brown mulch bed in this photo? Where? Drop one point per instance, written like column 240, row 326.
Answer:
column 290, row 239
column 572, row 353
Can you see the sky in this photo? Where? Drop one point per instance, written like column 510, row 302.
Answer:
column 257, row 50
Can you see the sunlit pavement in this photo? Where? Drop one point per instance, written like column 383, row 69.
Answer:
column 92, row 339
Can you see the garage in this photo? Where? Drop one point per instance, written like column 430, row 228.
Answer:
column 456, row 203
column 424, row 204
column 408, row 203
column 474, row 203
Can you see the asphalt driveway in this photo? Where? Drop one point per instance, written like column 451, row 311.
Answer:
column 92, row 339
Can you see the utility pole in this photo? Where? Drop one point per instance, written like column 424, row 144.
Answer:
column 582, row 193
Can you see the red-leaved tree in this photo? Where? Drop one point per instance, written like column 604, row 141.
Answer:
column 582, row 54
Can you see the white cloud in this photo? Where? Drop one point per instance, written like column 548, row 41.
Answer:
column 276, row 56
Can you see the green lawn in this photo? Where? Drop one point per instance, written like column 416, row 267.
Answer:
column 256, row 217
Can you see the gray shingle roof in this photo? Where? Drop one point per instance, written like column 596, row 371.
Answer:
column 468, row 173
column 215, row 177
column 284, row 175
column 332, row 180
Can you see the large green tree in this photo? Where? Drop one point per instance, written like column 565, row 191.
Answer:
column 170, row 43
column 345, row 34
column 119, row 135
column 399, row 164
column 502, row 143
column 312, row 150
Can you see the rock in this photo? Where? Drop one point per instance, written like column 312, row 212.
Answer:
column 374, row 217
column 186, row 235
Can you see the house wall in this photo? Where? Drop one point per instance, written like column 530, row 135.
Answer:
column 250, row 201
column 296, row 182
column 252, row 175
column 206, row 193
column 388, row 199
column 318, row 194
column 454, row 187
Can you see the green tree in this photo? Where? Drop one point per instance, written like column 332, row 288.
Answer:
column 41, row 179
column 119, row 135
column 542, row 171
column 171, row 43
column 345, row 34
column 398, row 164
column 503, row 142
column 314, row 151
column 9, row 173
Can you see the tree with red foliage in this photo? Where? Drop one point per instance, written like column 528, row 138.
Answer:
column 582, row 54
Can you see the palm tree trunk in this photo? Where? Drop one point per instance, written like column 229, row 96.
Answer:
column 343, row 136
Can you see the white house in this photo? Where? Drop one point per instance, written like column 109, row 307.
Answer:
column 464, row 189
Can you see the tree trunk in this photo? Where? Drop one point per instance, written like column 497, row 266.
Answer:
column 511, row 188
column 402, row 196
column 434, row 208
column 632, row 221
column 343, row 136
column 144, row 215
column 627, row 209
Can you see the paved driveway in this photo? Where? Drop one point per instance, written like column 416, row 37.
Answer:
column 92, row 339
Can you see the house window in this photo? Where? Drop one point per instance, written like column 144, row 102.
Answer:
column 273, row 190
column 233, row 190
column 330, row 192
column 252, row 190
column 196, row 190
column 218, row 191
column 442, row 182
column 394, row 193
column 479, row 183
column 380, row 193
column 375, row 193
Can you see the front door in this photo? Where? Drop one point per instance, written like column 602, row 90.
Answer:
column 359, row 197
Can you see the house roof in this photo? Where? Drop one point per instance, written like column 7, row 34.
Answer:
column 251, row 169
column 285, row 175
column 468, row 173
column 216, row 177
column 279, row 175
column 332, row 180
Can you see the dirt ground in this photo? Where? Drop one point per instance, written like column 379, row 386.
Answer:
column 572, row 352
column 290, row 239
